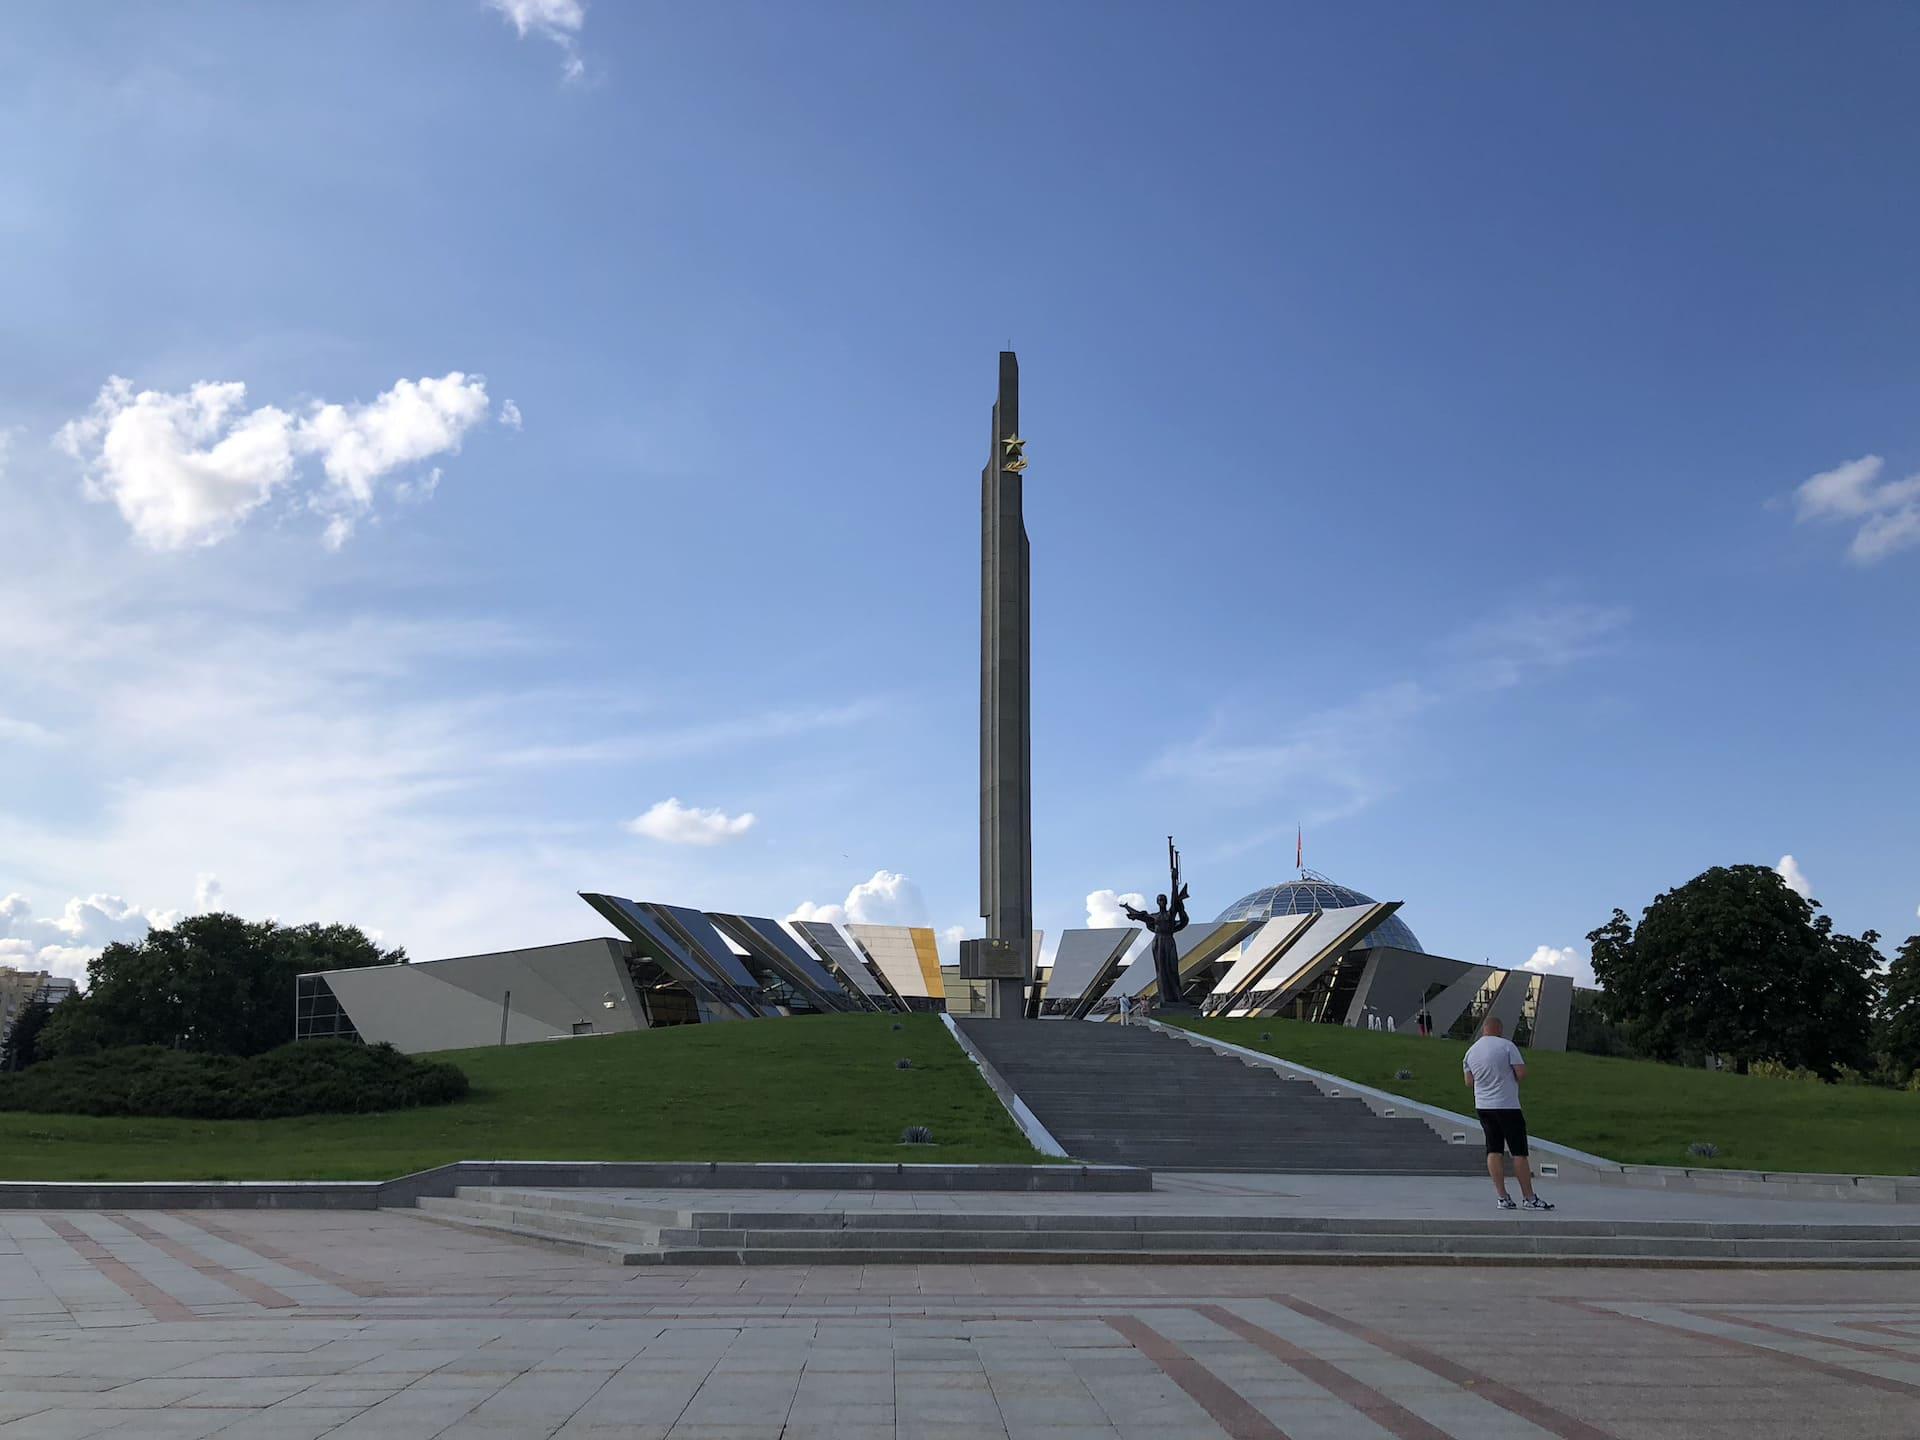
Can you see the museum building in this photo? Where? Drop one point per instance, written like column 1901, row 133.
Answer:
column 1306, row 949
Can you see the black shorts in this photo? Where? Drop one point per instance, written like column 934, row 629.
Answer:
column 1506, row 1130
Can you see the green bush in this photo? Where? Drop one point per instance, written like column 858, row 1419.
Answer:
column 310, row 1077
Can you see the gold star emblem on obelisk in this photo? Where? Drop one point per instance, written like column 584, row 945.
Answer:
column 1015, row 458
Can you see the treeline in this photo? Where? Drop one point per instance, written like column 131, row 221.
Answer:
column 198, row 1021
column 1734, row 968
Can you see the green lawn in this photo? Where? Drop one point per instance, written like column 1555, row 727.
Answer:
column 1633, row 1111
column 817, row 1087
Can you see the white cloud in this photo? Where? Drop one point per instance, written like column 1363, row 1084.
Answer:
column 676, row 824
column 64, row 945
column 1789, row 870
column 1506, row 649
column 510, row 415
column 887, row 898
column 207, row 894
column 1889, row 511
column 558, row 20
column 25, row 732
column 359, row 445
column 183, row 469
column 187, row 470
column 949, row 943
column 1562, row 960
column 828, row 914
column 1104, row 912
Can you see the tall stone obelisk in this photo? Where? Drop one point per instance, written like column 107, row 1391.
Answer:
column 1006, row 752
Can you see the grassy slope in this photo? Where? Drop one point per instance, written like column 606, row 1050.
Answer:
column 810, row 1088
column 1632, row 1111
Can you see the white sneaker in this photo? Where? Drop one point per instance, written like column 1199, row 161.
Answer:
column 1505, row 1202
column 1534, row 1202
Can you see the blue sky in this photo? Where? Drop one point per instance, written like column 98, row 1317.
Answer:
column 1425, row 407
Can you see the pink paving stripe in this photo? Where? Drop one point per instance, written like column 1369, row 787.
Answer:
column 142, row 1291
column 1728, row 1317
column 1537, row 1412
column 280, row 1257
column 1749, row 1347
column 244, row 1285
column 1389, row 1415
column 1229, row 1409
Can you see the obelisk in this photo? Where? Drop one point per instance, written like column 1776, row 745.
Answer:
column 1006, row 768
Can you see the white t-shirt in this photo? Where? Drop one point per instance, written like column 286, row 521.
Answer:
column 1490, row 1060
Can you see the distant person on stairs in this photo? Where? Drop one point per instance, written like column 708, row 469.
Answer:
column 1494, row 1067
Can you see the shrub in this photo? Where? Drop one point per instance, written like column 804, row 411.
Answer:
column 310, row 1077
column 1403, row 1073
column 916, row 1135
column 1703, row 1150
column 903, row 1064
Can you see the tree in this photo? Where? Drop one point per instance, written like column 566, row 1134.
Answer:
column 23, row 1040
column 213, row 983
column 1735, row 964
column 1897, row 1017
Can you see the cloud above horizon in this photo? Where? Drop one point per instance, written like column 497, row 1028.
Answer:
column 1562, row 960
column 1789, row 870
column 187, row 470
column 557, row 20
column 64, row 945
column 1887, row 511
column 675, row 824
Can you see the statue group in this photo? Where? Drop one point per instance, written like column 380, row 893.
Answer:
column 1165, row 923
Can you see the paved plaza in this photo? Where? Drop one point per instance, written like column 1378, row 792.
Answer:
column 293, row 1324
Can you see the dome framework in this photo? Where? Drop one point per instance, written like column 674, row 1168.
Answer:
column 1314, row 891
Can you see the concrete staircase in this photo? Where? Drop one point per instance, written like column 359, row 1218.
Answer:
column 630, row 1232
column 1132, row 1095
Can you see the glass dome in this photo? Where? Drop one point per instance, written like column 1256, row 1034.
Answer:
column 1314, row 891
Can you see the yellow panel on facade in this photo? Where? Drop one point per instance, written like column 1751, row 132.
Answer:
column 927, row 951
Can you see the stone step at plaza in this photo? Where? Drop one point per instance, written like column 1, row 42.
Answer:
column 619, row 1231
column 1134, row 1095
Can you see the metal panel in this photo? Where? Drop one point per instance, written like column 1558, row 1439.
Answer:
column 1268, row 945
column 1199, row 946
column 695, row 931
column 768, row 942
column 837, row 951
column 1511, row 999
column 1329, row 937
column 1400, row 979
column 1453, row 1001
column 1553, row 1014
column 714, row 992
column 1087, row 961
column 897, row 956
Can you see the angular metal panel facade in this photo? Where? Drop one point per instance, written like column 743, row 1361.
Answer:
column 458, row 1003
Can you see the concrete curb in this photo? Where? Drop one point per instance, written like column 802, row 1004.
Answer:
column 1580, row 1164
column 444, row 1180
column 1037, row 1134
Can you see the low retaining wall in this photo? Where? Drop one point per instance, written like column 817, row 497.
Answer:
column 1579, row 1164
column 558, row 1175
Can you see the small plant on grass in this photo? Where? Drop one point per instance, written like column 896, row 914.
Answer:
column 903, row 1064
column 1703, row 1150
column 1403, row 1073
column 916, row 1135
column 898, row 1026
column 1266, row 1034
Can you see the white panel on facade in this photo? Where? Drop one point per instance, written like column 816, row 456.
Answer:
column 1325, row 940
column 1140, row 972
column 1082, row 956
column 897, row 956
column 1276, row 935
column 458, row 1003
column 837, row 951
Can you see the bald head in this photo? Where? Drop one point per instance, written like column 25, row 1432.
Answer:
column 1493, row 1026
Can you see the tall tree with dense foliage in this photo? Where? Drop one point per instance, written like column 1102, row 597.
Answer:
column 213, row 983
column 23, row 1040
column 1735, row 964
column 1897, row 1028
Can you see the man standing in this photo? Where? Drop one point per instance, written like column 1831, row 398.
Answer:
column 1494, row 1067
